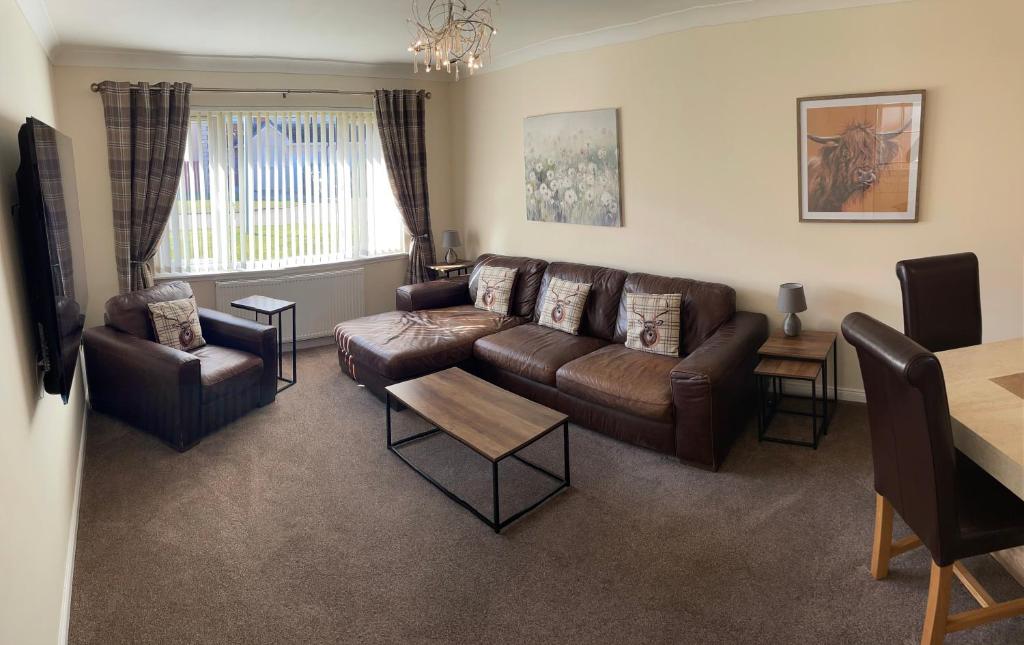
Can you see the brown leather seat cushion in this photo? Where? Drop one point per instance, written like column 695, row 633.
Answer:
column 404, row 344
column 622, row 379
column 534, row 352
column 224, row 371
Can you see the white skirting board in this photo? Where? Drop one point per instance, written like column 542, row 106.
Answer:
column 69, row 561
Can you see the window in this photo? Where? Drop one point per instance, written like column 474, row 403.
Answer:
column 268, row 190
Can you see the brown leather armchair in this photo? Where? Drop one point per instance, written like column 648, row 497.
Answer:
column 941, row 300
column 178, row 396
column 954, row 508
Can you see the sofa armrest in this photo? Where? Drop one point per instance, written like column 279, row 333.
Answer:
column 433, row 295
column 713, row 389
column 147, row 384
column 247, row 336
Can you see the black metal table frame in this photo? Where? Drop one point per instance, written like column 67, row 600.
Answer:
column 496, row 523
column 768, row 400
column 280, row 342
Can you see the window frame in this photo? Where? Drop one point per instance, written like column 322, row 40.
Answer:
column 405, row 239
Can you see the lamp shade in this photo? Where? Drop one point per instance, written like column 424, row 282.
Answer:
column 450, row 239
column 791, row 298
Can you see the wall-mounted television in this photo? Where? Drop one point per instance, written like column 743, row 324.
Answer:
column 50, row 232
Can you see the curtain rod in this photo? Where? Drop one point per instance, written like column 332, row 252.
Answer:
column 95, row 87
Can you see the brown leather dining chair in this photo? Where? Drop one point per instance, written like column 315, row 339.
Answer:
column 954, row 508
column 941, row 300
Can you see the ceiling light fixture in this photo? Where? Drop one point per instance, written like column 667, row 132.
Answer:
column 450, row 35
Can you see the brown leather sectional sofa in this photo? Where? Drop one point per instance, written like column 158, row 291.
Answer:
column 690, row 406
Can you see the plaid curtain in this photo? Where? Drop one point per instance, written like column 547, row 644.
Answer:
column 147, row 127
column 400, row 116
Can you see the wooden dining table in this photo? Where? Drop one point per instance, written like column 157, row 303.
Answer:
column 985, row 389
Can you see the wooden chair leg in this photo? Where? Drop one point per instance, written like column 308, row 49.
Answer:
column 881, row 550
column 937, row 612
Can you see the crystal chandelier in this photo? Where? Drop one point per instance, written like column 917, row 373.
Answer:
column 450, row 35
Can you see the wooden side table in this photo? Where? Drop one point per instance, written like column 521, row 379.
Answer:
column 268, row 307
column 805, row 358
column 458, row 268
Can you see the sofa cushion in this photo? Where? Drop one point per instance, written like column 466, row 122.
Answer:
column 563, row 305
column 495, row 289
column 129, row 312
column 653, row 322
column 404, row 344
column 524, row 291
column 705, row 306
column 532, row 351
column 225, row 372
column 602, row 308
column 622, row 379
column 176, row 324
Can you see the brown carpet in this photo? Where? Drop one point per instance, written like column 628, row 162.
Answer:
column 295, row 525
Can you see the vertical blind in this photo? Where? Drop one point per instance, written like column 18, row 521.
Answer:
column 273, row 189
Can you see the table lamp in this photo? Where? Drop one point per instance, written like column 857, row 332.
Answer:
column 791, row 300
column 450, row 240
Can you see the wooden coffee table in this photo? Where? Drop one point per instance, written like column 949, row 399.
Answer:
column 493, row 422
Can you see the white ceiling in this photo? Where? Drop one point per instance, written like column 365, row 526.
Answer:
column 368, row 31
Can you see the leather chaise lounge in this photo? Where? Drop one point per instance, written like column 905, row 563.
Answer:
column 691, row 406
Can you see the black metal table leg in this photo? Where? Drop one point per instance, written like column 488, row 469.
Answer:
column 497, row 514
column 824, row 397
column 387, row 413
column 565, row 448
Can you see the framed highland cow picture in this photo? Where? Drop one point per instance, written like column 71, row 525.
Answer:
column 859, row 156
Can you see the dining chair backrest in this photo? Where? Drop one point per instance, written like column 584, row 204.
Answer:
column 911, row 438
column 941, row 300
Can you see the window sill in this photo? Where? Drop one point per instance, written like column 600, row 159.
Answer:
column 246, row 274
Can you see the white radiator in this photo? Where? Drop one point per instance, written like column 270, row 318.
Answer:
column 322, row 300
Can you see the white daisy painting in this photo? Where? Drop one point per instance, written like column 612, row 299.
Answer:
column 572, row 168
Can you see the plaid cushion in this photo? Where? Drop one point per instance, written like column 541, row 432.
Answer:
column 495, row 289
column 652, row 322
column 177, row 323
column 563, row 305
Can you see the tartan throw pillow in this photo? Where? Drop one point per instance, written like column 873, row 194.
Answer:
column 177, row 323
column 494, row 289
column 652, row 322
column 563, row 305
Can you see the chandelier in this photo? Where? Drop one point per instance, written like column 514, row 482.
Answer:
column 449, row 35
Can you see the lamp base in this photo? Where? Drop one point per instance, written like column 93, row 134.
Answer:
column 450, row 256
column 791, row 325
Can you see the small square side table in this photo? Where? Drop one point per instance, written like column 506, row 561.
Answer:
column 458, row 268
column 805, row 358
column 268, row 307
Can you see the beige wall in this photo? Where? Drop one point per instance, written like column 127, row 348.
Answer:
column 81, row 115
column 40, row 437
column 708, row 155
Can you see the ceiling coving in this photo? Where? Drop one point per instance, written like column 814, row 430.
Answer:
column 449, row 35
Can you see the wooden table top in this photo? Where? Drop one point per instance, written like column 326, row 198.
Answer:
column 810, row 345
column 262, row 304
column 492, row 421
column 462, row 264
column 987, row 405
column 788, row 368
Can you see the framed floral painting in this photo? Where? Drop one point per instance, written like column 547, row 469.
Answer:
column 860, row 156
column 572, row 168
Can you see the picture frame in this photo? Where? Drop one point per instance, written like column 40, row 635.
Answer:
column 572, row 173
column 859, row 156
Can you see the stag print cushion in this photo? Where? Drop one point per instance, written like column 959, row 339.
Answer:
column 494, row 290
column 563, row 305
column 653, row 322
column 177, row 323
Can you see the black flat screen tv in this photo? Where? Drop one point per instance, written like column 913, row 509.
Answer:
column 50, row 233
